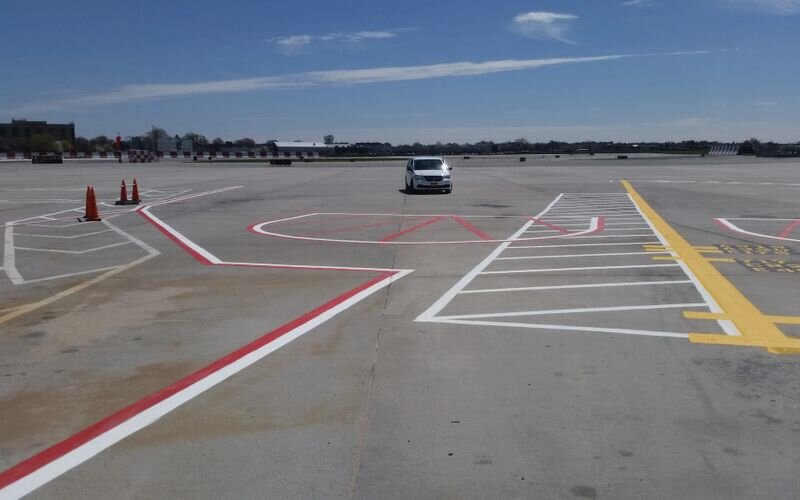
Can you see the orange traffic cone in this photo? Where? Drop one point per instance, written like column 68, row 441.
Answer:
column 135, row 196
column 92, row 213
column 123, row 194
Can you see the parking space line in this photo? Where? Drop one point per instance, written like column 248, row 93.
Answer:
column 579, row 255
column 576, row 310
column 430, row 313
column 569, row 328
column 563, row 269
column 627, row 243
column 584, row 285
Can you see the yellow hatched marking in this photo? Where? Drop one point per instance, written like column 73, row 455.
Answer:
column 756, row 328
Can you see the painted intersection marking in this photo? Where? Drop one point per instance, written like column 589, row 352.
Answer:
column 516, row 255
column 590, row 225
column 54, row 461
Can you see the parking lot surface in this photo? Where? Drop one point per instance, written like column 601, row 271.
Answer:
column 582, row 327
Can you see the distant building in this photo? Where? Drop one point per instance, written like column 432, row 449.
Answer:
column 18, row 133
column 305, row 149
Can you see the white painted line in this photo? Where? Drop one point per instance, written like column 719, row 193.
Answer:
column 585, row 285
column 638, row 228
column 70, row 275
column 91, row 448
column 563, row 269
column 430, row 313
column 613, row 236
column 577, row 310
column 539, row 326
column 762, row 219
column 727, row 326
column 522, row 247
column 578, row 255
column 75, row 236
column 733, row 227
column 9, row 258
column 75, row 252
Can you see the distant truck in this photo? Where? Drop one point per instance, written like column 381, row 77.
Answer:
column 47, row 158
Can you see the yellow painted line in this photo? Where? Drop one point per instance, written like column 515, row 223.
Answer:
column 785, row 320
column 756, row 328
column 665, row 258
column 709, row 250
column 720, row 259
column 25, row 309
column 704, row 315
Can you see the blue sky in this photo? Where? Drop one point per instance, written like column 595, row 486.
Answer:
column 408, row 71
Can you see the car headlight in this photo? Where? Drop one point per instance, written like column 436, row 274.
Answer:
column 418, row 177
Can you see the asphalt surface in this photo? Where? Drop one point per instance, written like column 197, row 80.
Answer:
column 518, row 363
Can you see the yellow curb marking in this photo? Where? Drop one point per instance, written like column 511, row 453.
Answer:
column 756, row 328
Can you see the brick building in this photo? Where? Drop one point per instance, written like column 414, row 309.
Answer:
column 18, row 133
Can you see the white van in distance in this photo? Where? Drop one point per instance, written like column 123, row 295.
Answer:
column 428, row 173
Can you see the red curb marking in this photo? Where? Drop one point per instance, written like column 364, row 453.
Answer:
column 413, row 228
column 788, row 230
column 60, row 449
column 477, row 232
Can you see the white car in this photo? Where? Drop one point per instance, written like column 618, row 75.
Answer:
column 428, row 173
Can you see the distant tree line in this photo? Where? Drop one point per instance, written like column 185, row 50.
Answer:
column 148, row 140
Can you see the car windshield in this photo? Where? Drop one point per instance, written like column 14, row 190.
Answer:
column 428, row 165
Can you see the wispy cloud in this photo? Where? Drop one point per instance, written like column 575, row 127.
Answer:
column 637, row 3
column 782, row 7
column 544, row 25
column 295, row 44
column 148, row 91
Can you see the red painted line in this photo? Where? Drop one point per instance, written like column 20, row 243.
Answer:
column 349, row 228
column 411, row 229
column 788, row 230
column 198, row 257
column 474, row 230
column 560, row 229
column 82, row 437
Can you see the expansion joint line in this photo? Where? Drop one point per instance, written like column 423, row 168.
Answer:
column 756, row 328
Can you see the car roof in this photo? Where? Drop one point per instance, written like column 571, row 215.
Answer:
column 427, row 158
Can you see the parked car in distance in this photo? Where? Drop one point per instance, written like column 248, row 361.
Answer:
column 428, row 173
column 47, row 158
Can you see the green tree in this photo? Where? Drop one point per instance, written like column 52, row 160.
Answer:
column 245, row 142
